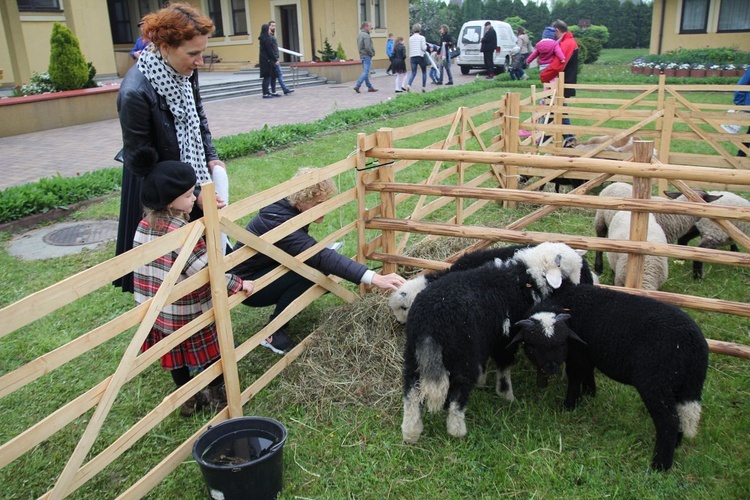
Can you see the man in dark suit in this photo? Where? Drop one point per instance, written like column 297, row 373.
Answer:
column 489, row 44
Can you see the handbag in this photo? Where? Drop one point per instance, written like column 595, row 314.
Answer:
column 454, row 53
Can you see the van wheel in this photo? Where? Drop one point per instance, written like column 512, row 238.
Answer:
column 465, row 70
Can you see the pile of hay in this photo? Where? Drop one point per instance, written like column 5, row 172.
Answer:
column 355, row 358
column 434, row 249
column 356, row 355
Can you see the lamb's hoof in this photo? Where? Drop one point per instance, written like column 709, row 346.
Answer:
column 456, row 421
column 411, row 437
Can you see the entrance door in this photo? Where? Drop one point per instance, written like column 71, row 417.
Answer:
column 289, row 30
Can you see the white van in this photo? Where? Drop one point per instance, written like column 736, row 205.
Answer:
column 469, row 41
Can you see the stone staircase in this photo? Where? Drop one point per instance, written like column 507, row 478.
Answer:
column 249, row 82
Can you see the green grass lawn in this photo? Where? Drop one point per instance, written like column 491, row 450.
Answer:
column 529, row 448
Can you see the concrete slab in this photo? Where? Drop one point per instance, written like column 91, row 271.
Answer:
column 58, row 240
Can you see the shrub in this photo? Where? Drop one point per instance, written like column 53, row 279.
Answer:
column 67, row 66
column 56, row 192
column 40, row 84
column 596, row 32
column 340, row 54
column 327, row 54
column 589, row 49
column 91, row 83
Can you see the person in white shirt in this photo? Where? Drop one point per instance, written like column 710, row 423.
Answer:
column 417, row 49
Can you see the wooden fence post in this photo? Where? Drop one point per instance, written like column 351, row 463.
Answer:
column 219, row 299
column 642, row 151
column 666, row 127
column 559, row 102
column 384, row 139
column 511, row 120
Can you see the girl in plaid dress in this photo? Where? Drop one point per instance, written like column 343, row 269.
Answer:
column 168, row 197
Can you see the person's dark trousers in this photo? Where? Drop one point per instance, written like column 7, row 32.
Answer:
column 746, row 144
column 281, row 292
column 266, row 83
column 488, row 63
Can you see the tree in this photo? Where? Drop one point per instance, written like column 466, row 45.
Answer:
column 472, row 9
column 67, row 67
column 327, row 54
column 491, row 10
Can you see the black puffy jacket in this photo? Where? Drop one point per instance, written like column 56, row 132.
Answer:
column 326, row 261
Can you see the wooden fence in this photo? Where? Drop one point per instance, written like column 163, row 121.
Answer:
column 455, row 165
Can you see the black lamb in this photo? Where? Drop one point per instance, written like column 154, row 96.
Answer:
column 462, row 319
column 653, row 346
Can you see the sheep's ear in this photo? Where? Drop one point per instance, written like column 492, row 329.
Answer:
column 574, row 336
column 517, row 339
column 672, row 194
column 712, row 197
column 561, row 318
column 554, row 278
column 524, row 323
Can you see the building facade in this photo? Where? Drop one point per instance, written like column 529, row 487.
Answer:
column 106, row 30
column 694, row 24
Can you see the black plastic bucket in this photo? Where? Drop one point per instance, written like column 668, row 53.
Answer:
column 242, row 458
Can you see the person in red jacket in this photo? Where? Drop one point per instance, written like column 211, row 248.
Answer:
column 570, row 66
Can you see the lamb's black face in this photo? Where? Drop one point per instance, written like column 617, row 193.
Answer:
column 545, row 340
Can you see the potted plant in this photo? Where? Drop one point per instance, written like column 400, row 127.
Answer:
column 670, row 69
column 697, row 70
column 713, row 70
column 682, row 71
column 729, row 70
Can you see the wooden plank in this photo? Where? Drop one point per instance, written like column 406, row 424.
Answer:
column 387, row 200
column 219, row 299
column 575, row 164
column 583, row 242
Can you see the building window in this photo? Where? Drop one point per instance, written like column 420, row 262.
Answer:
column 694, row 16
column 734, row 15
column 119, row 21
column 371, row 10
column 42, row 5
column 239, row 17
column 214, row 12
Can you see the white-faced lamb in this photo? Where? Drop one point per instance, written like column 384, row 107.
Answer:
column 712, row 236
column 460, row 320
column 655, row 268
column 400, row 301
column 675, row 226
column 638, row 341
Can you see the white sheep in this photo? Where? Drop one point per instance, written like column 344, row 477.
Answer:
column 655, row 269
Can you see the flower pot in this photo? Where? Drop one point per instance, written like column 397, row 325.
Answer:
column 647, row 71
column 713, row 72
column 635, row 70
column 730, row 73
column 697, row 73
column 670, row 72
column 682, row 73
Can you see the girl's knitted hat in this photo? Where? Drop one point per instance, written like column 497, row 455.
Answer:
column 549, row 32
column 163, row 181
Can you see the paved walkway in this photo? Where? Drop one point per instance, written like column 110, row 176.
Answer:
column 75, row 150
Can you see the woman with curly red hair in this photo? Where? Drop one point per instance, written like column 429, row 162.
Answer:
column 160, row 107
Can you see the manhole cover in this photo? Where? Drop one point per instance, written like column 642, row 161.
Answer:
column 82, row 234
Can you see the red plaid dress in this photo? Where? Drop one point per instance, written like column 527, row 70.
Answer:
column 203, row 346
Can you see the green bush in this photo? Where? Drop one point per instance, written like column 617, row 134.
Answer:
column 340, row 54
column 706, row 56
column 40, row 84
column 91, row 83
column 600, row 33
column 56, row 192
column 67, row 66
column 327, row 54
column 589, row 49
